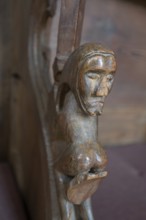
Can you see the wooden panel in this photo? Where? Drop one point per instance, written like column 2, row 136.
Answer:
column 28, row 137
column 5, row 72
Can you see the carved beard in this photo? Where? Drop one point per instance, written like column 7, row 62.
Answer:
column 93, row 106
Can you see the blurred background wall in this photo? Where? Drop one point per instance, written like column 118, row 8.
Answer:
column 120, row 25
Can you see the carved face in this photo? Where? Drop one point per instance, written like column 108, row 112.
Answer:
column 95, row 80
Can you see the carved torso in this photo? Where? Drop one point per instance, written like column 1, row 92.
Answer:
column 79, row 159
column 80, row 127
column 78, row 147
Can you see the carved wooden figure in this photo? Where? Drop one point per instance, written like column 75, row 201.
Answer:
column 50, row 135
column 79, row 159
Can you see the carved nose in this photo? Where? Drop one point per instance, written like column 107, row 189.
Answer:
column 102, row 89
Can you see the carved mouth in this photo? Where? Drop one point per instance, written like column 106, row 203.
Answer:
column 95, row 104
column 95, row 101
column 95, row 108
column 100, row 173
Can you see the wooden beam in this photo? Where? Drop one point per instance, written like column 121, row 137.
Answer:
column 69, row 34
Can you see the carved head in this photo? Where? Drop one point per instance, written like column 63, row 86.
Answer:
column 89, row 73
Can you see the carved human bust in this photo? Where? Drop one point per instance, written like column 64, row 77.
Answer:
column 95, row 80
column 85, row 82
column 91, row 74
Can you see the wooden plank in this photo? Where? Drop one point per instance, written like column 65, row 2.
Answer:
column 5, row 74
column 69, row 33
column 29, row 153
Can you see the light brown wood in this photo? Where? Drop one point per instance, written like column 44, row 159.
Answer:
column 69, row 32
column 88, row 185
column 79, row 159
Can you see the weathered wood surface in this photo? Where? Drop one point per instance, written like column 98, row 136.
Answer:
column 69, row 32
column 118, row 24
column 23, row 131
column 30, row 109
column 79, row 160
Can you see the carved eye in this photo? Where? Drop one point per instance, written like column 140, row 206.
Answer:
column 110, row 78
column 93, row 75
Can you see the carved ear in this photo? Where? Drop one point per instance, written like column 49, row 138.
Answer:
column 62, row 91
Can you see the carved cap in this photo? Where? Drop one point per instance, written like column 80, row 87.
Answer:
column 72, row 68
